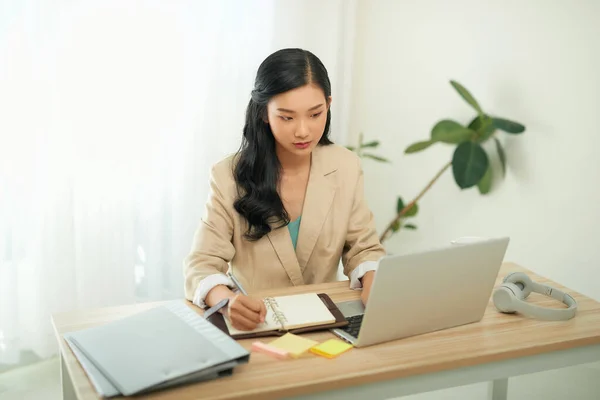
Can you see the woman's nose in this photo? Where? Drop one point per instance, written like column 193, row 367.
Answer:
column 302, row 130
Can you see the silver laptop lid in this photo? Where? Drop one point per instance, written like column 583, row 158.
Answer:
column 431, row 290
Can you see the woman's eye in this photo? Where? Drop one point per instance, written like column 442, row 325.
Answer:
column 283, row 117
column 317, row 114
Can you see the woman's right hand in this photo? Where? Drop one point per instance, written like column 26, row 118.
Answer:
column 246, row 313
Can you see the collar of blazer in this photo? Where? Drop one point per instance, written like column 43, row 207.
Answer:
column 318, row 199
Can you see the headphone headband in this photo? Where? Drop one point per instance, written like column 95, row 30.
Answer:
column 548, row 314
column 556, row 294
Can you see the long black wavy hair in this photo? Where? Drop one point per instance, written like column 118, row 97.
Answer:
column 257, row 168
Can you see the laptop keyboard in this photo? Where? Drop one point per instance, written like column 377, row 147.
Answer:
column 354, row 323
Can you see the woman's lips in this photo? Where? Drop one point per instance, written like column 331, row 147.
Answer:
column 302, row 145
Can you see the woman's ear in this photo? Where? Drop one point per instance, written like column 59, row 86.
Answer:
column 328, row 102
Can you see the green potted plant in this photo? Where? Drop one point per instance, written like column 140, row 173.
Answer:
column 470, row 162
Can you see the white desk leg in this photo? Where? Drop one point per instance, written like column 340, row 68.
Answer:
column 498, row 389
column 68, row 391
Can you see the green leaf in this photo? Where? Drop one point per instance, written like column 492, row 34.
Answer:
column 351, row 148
column 374, row 143
column 508, row 126
column 464, row 93
column 419, row 146
column 376, row 158
column 501, row 155
column 483, row 126
column 469, row 164
column 448, row 131
column 412, row 211
column 399, row 205
column 485, row 184
column 409, row 226
column 396, row 226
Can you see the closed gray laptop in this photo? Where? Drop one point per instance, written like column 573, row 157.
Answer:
column 162, row 347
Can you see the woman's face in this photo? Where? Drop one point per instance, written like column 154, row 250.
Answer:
column 297, row 119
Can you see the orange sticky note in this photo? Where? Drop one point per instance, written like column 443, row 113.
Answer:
column 270, row 350
column 331, row 348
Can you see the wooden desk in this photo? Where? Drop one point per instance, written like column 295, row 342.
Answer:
column 494, row 349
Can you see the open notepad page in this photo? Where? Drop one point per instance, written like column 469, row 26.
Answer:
column 303, row 310
column 299, row 310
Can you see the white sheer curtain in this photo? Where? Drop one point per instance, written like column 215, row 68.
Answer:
column 111, row 113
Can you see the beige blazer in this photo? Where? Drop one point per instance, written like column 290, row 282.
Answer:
column 336, row 224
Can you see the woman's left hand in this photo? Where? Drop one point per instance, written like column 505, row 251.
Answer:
column 366, row 280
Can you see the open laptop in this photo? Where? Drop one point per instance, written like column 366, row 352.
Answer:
column 425, row 292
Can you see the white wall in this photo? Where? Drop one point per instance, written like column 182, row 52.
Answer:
column 536, row 62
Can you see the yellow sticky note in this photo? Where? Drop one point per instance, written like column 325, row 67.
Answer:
column 295, row 345
column 331, row 348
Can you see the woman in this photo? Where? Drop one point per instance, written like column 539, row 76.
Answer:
column 288, row 205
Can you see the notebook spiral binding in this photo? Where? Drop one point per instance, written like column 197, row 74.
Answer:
column 278, row 316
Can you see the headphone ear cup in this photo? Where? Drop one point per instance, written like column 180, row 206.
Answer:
column 505, row 296
column 522, row 281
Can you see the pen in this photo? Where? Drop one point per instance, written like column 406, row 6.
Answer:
column 237, row 283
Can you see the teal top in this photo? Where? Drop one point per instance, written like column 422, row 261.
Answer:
column 294, row 227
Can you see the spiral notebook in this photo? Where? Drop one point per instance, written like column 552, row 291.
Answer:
column 291, row 313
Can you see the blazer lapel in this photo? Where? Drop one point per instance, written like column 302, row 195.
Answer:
column 282, row 243
column 318, row 199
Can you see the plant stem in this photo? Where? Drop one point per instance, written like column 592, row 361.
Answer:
column 389, row 228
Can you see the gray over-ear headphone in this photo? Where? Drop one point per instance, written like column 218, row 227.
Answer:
column 510, row 297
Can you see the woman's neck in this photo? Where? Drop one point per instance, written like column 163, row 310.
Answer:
column 294, row 165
